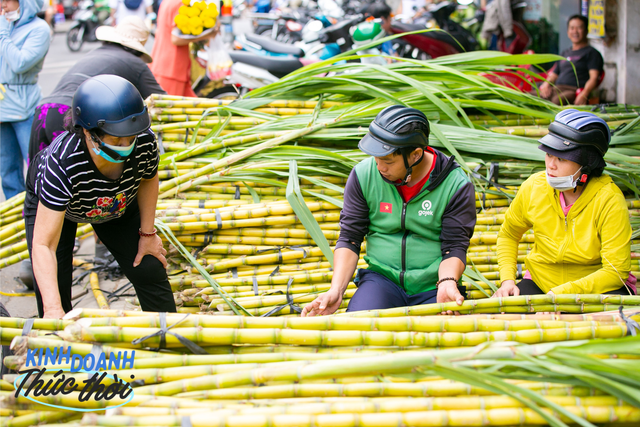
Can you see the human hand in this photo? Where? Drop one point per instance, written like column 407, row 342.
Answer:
column 150, row 245
column 545, row 90
column 447, row 292
column 581, row 99
column 507, row 288
column 325, row 304
column 53, row 313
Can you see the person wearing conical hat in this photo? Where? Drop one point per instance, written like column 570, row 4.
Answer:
column 122, row 54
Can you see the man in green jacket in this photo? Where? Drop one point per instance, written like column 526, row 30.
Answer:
column 416, row 208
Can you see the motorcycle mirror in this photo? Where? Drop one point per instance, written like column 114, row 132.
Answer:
column 315, row 26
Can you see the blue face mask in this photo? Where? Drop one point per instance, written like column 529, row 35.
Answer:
column 112, row 153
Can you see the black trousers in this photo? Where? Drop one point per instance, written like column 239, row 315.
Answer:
column 121, row 237
column 528, row 287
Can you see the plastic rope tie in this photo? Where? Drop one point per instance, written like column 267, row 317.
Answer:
column 632, row 325
column 237, row 195
column 164, row 330
column 218, row 218
column 292, row 307
column 186, row 137
column 26, row 328
column 255, row 285
column 186, row 421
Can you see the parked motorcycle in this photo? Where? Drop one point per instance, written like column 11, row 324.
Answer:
column 86, row 20
column 454, row 39
column 263, row 60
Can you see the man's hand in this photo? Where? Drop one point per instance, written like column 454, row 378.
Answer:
column 581, row 99
column 53, row 313
column 545, row 90
column 327, row 303
column 447, row 292
column 150, row 245
column 507, row 288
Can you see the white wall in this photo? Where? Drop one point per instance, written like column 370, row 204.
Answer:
column 621, row 52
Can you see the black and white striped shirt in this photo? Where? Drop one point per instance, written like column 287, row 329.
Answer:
column 68, row 180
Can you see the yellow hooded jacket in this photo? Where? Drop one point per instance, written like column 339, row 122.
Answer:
column 588, row 252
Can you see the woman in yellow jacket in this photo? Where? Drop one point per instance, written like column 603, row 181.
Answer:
column 579, row 218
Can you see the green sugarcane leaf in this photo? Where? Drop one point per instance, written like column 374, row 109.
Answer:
column 296, row 200
column 527, row 397
column 254, row 195
column 476, row 285
column 435, row 129
column 477, row 275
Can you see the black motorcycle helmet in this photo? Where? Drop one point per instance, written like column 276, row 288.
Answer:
column 383, row 137
column 111, row 104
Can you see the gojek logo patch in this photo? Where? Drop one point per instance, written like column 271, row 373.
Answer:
column 39, row 383
column 426, row 208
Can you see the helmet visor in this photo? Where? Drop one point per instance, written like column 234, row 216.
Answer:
column 129, row 126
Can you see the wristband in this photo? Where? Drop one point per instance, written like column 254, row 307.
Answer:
column 147, row 234
column 444, row 280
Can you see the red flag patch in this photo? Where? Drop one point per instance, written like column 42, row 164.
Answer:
column 386, row 207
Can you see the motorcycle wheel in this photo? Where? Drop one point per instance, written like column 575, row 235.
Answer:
column 75, row 38
column 224, row 93
column 267, row 33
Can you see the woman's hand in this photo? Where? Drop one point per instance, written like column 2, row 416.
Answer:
column 507, row 288
column 545, row 90
column 327, row 303
column 581, row 99
column 53, row 313
column 150, row 245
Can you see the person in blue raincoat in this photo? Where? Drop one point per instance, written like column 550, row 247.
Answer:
column 24, row 42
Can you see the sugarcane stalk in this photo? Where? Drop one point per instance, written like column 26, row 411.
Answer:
column 528, row 303
column 13, row 202
column 172, row 187
column 97, row 293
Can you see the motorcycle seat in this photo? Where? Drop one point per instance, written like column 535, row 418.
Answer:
column 437, row 35
column 409, row 27
column 279, row 67
column 274, row 46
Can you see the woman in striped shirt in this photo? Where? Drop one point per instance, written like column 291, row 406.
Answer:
column 102, row 171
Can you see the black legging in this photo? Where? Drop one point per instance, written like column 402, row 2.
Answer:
column 528, row 287
column 121, row 237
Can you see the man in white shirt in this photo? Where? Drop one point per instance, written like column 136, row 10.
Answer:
column 120, row 9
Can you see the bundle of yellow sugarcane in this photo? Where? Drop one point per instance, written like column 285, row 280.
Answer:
column 13, row 243
column 477, row 370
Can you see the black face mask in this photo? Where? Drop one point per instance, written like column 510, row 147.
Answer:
column 409, row 170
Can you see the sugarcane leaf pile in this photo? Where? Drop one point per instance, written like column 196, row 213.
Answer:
column 471, row 118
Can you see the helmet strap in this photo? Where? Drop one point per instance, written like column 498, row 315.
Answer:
column 409, row 170
column 111, row 153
